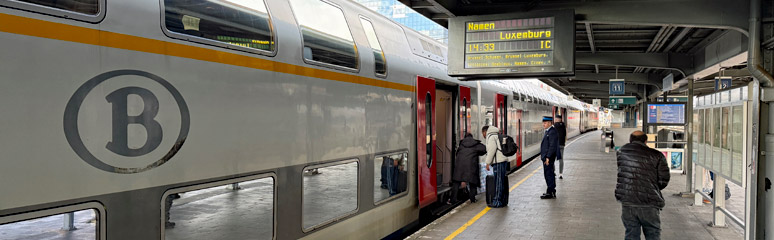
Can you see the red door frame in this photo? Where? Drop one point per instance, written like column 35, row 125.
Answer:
column 518, row 136
column 464, row 122
column 426, row 175
column 500, row 101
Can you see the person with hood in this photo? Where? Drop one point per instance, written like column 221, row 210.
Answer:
column 495, row 159
column 466, row 168
column 642, row 173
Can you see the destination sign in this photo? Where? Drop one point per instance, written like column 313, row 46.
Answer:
column 508, row 45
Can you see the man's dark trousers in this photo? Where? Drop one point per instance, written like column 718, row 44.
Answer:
column 548, row 173
column 636, row 218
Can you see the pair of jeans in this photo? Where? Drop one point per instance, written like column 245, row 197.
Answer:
column 641, row 219
column 501, row 185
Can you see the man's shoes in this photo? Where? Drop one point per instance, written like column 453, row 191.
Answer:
column 560, row 176
column 548, row 196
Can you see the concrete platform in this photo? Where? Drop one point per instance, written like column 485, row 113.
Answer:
column 585, row 208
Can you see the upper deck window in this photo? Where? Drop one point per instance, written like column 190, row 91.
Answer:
column 326, row 36
column 244, row 24
column 84, row 10
column 379, row 59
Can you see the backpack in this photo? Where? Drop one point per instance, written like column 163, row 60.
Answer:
column 507, row 146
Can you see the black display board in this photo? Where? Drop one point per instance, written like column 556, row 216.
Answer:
column 512, row 45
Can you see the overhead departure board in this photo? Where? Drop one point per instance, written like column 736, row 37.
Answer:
column 512, row 45
column 669, row 113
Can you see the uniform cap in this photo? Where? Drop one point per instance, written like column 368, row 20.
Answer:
column 548, row 119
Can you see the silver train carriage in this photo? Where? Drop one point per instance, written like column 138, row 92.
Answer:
column 333, row 120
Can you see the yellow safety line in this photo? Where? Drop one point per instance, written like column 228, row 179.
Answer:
column 481, row 214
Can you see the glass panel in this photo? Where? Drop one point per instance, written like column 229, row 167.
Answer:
column 429, row 129
column 326, row 36
column 244, row 23
column 251, row 203
column 725, row 147
column 379, row 60
column 330, row 194
column 390, row 175
column 716, row 130
column 737, row 142
column 50, row 227
column 90, row 7
column 736, row 94
column 464, row 120
column 695, row 131
column 708, row 138
column 744, row 93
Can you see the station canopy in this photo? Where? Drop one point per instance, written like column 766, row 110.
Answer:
column 641, row 41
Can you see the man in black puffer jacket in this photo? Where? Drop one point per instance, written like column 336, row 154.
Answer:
column 642, row 174
column 466, row 168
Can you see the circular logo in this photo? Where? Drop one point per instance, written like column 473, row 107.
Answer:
column 140, row 110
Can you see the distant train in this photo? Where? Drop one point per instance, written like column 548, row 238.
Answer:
column 116, row 105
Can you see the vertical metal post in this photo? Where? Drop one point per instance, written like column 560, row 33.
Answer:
column 69, row 221
column 698, row 199
column 752, row 217
column 719, row 197
column 688, row 161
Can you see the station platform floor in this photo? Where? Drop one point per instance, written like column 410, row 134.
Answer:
column 584, row 209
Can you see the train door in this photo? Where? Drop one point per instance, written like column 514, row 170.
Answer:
column 501, row 113
column 426, row 170
column 464, row 113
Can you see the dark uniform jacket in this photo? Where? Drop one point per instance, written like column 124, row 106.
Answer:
column 549, row 148
column 561, row 130
column 642, row 174
column 466, row 169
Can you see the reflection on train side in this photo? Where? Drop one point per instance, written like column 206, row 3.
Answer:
column 392, row 178
column 50, row 227
column 330, row 193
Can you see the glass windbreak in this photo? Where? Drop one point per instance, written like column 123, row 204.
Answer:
column 716, row 136
column 390, row 175
column 699, row 146
column 325, row 32
column 724, row 142
column 708, row 138
column 695, row 130
column 379, row 60
column 90, row 7
column 329, row 192
column 244, row 23
column 737, row 143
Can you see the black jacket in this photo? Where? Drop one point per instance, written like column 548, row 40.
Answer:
column 561, row 130
column 642, row 174
column 549, row 147
column 466, row 168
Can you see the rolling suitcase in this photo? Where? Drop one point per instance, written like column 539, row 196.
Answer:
column 490, row 189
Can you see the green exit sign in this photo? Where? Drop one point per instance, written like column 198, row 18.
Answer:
column 627, row 100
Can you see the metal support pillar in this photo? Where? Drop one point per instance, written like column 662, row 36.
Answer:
column 719, row 201
column 69, row 221
column 688, row 160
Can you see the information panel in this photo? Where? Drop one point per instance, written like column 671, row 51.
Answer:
column 666, row 113
column 512, row 45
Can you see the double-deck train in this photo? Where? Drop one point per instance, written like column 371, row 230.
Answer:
column 346, row 119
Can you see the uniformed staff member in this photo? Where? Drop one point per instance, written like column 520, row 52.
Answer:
column 549, row 149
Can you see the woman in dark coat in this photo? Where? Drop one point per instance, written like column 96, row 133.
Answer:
column 466, row 168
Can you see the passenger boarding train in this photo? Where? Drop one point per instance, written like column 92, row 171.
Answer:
column 115, row 105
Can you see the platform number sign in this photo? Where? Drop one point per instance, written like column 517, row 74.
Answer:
column 617, row 87
column 134, row 121
column 722, row 83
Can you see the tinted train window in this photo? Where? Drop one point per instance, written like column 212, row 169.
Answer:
column 90, row 7
column 243, row 23
column 379, row 60
column 330, row 192
column 429, row 129
column 80, row 221
column 325, row 33
column 390, row 175
column 229, row 209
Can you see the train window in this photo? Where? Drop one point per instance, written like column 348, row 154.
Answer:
column 248, row 201
column 429, row 129
column 380, row 62
column 390, row 176
column 464, row 117
column 239, row 24
column 81, row 221
column 330, row 193
column 326, row 35
column 83, row 10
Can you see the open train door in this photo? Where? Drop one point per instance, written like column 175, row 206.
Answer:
column 500, row 113
column 426, row 169
column 464, row 122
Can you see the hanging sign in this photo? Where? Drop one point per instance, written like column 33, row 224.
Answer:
column 617, row 87
column 722, row 83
